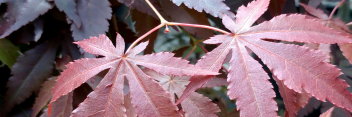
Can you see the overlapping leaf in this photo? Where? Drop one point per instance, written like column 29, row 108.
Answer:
column 90, row 18
column 316, row 77
column 70, row 9
column 335, row 24
column 148, row 97
column 29, row 72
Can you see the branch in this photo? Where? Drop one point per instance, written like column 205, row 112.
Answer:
column 198, row 26
column 143, row 36
column 161, row 18
column 335, row 8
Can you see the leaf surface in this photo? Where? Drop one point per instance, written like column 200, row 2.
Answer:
column 249, row 85
column 79, row 72
column 195, row 105
column 69, row 7
column 157, row 102
column 299, row 68
column 290, row 27
column 246, row 16
column 107, row 99
column 216, row 8
column 93, row 15
column 30, row 70
column 346, row 51
column 148, row 98
column 336, row 24
column 315, row 12
column 161, row 62
column 293, row 101
column 63, row 106
column 316, row 77
column 21, row 12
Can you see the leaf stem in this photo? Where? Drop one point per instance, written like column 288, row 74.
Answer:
column 161, row 18
column 145, row 35
column 349, row 24
column 197, row 26
column 190, row 52
column 335, row 8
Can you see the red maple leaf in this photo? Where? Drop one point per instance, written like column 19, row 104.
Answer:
column 148, row 97
column 299, row 68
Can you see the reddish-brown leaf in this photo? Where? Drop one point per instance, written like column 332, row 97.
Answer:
column 315, row 12
column 249, row 85
column 297, row 28
column 315, row 76
column 215, row 82
column 161, row 62
column 43, row 96
column 62, row 107
column 79, row 72
column 130, row 111
column 327, row 113
column 197, row 105
column 157, row 102
column 216, row 56
column 107, row 99
column 335, row 24
column 300, row 69
column 293, row 101
column 346, row 51
column 247, row 15
column 148, row 98
column 96, row 46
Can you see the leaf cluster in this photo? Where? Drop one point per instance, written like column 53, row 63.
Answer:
column 112, row 58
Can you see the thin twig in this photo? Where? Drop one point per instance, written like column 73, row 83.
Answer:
column 143, row 36
column 161, row 18
column 190, row 52
column 198, row 26
column 334, row 10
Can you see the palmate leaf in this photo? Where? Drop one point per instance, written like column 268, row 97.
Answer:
column 21, row 12
column 148, row 97
column 299, row 68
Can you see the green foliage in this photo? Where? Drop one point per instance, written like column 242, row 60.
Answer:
column 8, row 52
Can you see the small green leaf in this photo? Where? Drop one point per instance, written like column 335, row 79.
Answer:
column 8, row 52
